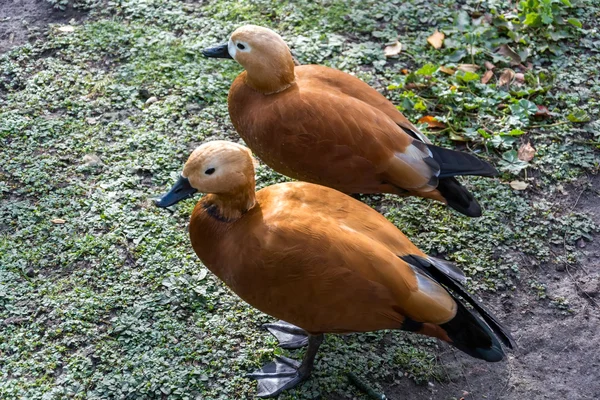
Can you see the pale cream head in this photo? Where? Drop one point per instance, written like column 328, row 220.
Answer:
column 265, row 57
column 220, row 167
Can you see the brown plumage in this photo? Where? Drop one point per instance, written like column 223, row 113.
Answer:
column 321, row 125
column 318, row 259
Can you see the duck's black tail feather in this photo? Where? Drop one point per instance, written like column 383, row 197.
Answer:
column 456, row 163
column 466, row 330
column 458, row 197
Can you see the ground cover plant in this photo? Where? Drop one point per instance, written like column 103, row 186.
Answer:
column 101, row 295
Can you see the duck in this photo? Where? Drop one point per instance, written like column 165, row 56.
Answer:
column 321, row 262
column 321, row 125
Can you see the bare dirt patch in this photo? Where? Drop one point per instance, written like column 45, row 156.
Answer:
column 27, row 20
column 558, row 353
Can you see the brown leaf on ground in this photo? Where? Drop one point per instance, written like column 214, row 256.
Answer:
column 437, row 39
column 505, row 50
column 393, row 50
column 518, row 185
column 542, row 112
column 506, row 77
column 431, row 122
column 526, row 152
column 519, row 78
column 59, row 221
column 415, row 85
column 489, row 65
column 487, row 76
column 447, row 70
column 468, row 67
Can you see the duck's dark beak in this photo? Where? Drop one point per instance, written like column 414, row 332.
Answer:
column 219, row 51
column 181, row 190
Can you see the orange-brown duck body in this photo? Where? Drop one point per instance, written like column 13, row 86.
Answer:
column 324, row 126
column 321, row 260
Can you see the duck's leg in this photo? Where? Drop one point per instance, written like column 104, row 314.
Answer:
column 288, row 335
column 285, row 373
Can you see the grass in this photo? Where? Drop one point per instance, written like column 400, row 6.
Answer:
column 113, row 303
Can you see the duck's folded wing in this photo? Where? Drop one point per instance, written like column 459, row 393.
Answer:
column 326, row 278
column 347, row 138
column 354, row 87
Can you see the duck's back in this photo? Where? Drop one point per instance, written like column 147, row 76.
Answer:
column 323, row 261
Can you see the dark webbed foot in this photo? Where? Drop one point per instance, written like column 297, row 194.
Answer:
column 288, row 335
column 285, row 373
column 277, row 376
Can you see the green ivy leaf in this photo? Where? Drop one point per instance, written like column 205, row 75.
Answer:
column 510, row 162
column 427, row 69
column 457, row 56
column 575, row 22
column 523, row 109
column 467, row 76
column 420, row 106
column 532, row 19
column 578, row 116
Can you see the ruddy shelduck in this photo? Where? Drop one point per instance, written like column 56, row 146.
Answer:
column 321, row 125
column 323, row 262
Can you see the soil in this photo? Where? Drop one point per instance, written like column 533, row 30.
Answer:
column 558, row 355
column 27, row 20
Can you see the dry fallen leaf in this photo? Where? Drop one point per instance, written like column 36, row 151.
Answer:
column 67, row 28
column 489, row 65
column 92, row 160
column 487, row 76
column 526, row 152
column 58, row 221
column 437, row 39
column 415, row 85
column 542, row 112
column 519, row 185
column 150, row 101
column 468, row 67
column 457, row 138
column 506, row 77
column 519, row 78
column 505, row 50
column 431, row 122
column 447, row 70
column 393, row 50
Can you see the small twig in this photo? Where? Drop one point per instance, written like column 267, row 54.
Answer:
column 356, row 381
column 587, row 142
column 550, row 125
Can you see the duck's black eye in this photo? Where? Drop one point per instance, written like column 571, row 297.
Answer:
column 241, row 46
column 209, row 171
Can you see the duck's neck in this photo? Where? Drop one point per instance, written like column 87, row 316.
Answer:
column 273, row 78
column 229, row 207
